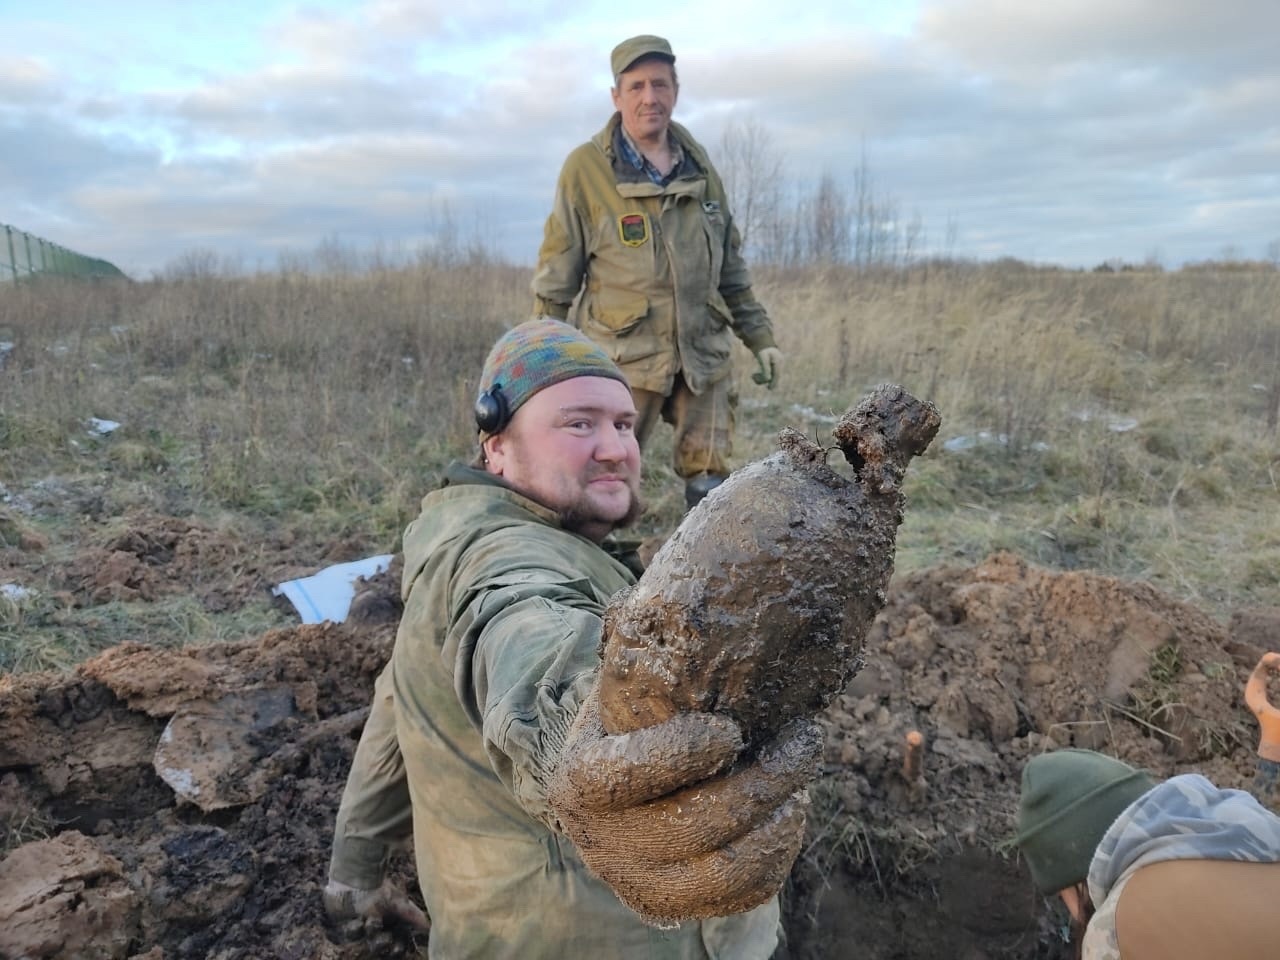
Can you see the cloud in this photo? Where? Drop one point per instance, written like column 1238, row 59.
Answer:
column 45, row 157
column 26, row 82
column 1032, row 42
column 1070, row 132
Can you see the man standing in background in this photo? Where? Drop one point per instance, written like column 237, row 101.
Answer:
column 641, row 228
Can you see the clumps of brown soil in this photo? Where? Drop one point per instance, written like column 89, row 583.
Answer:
column 112, row 860
column 1253, row 632
column 92, row 913
column 148, row 556
column 18, row 535
column 157, row 555
column 995, row 664
column 377, row 598
column 107, row 858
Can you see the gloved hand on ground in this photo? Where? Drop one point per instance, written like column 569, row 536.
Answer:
column 343, row 902
column 665, row 817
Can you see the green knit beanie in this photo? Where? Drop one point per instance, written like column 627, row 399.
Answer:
column 535, row 355
column 1069, row 800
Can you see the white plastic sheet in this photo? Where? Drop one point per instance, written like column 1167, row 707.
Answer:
column 327, row 595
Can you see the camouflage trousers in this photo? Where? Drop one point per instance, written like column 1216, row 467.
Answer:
column 375, row 814
column 703, row 424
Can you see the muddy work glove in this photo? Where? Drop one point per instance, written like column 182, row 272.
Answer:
column 385, row 904
column 770, row 361
column 674, row 821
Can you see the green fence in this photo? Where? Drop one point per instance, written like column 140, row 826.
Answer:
column 24, row 255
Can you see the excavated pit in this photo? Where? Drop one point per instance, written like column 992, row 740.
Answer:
column 992, row 663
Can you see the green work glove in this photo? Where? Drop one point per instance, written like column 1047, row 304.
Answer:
column 770, row 360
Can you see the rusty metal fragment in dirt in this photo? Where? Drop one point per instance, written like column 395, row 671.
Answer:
column 759, row 603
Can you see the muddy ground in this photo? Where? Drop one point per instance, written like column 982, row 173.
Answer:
column 167, row 804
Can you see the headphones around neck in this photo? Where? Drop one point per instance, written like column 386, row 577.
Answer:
column 492, row 411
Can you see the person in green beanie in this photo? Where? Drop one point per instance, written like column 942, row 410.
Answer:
column 641, row 238
column 1175, row 870
column 507, row 572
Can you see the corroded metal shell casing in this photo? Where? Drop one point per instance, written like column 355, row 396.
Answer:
column 759, row 603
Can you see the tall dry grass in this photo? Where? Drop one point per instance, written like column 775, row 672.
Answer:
column 1125, row 421
column 1120, row 421
column 267, row 393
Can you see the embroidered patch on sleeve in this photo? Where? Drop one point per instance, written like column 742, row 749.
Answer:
column 633, row 229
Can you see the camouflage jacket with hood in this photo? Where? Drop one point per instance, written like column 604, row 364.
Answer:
column 663, row 284
column 497, row 646
column 1187, row 871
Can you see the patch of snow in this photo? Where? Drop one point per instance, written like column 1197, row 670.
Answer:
column 980, row 439
column 811, row 414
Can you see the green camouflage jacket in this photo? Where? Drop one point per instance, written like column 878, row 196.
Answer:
column 497, row 646
column 1187, row 871
column 663, row 284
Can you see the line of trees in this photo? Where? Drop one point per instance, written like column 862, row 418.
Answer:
column 837, row 220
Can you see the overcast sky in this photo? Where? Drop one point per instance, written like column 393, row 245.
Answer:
column 1068, row 132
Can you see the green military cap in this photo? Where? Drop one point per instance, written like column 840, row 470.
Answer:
column 629, row 51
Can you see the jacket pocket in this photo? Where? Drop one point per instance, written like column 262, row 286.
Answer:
column 718, row 310
column 617, row 315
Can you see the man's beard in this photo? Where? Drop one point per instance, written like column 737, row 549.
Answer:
column 582, row 513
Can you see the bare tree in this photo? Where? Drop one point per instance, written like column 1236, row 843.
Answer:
column 877, row 228
column 864, row 207
column 840, row 219
column 751, row 167
column 914, row 239
column 952, row 237
column 828, row 222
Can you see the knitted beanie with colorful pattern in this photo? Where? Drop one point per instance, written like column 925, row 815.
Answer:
column 537, row 354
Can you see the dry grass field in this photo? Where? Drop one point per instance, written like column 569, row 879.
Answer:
column 1109, row 450
column 1122, row 422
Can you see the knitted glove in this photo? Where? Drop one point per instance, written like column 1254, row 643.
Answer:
column 672, row 824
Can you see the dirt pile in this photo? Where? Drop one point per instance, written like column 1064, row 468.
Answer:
column 178, row 804
column 187, row 797
column 994, row 664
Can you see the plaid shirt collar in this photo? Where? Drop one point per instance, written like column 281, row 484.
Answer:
column 637, row 159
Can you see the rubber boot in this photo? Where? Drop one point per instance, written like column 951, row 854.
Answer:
column 698, row 487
